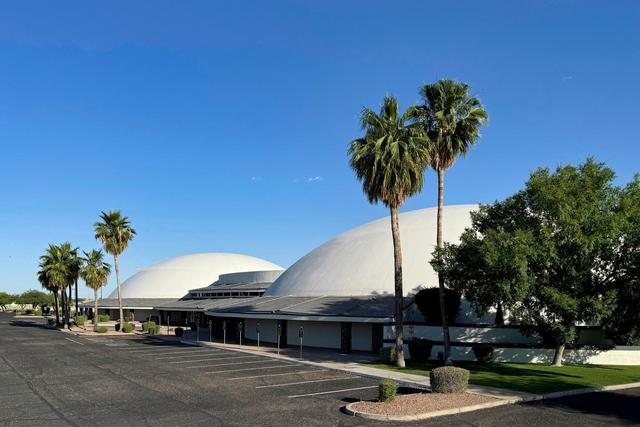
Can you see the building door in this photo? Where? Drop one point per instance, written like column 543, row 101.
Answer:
column 345, row 337
column 376, row 337
column 283, row 333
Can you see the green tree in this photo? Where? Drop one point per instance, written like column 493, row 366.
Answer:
column 114, row 231
column 35, row 298
column 95, row 273
column 54, row 265
column 451, row 118
column 6, row 299
column 389, row 160
column 542, row 253
column 43, row 278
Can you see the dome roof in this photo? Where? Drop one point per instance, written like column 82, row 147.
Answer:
column 173, row 278
column 360, row 261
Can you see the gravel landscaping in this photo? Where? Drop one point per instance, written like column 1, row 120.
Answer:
column 421, row 403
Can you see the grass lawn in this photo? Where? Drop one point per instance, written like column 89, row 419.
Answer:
column 535, row 378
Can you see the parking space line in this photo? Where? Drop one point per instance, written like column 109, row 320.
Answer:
column 210, row 358
column 228, row 364
column 180, row 356
column 252, row 369
column 306, row 382
column 276, row 375
column 161, row 353
column 77, row 342
column 331, row 391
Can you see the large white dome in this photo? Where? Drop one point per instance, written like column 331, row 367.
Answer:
column 360, row 261
column 173, row 278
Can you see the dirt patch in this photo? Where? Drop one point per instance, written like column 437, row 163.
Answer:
column 420, row 403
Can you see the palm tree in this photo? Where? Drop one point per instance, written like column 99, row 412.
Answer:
column 55, row 268
column 43, row 278
column 115, row 232
column 95, row 273
column 75, row 262
column 389, row 160
column 451, row 119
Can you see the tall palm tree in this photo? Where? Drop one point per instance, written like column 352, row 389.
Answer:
column 451, row 118
column 43, row 278
column 55, row 266
column 114, row 231
column 389, row 160
column 75, row 262
column 95, row 273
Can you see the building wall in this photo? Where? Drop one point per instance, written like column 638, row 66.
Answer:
column 361, row 336
column 316, row 334
column 268, row 330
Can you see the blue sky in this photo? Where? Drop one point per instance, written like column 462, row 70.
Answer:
column 223, row 126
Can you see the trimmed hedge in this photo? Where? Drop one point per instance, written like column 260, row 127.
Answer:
column 145, row 325
column 79, row 320
column 388, row 355
column 387, row 390
column 153, row 329
column 103, row 318
column 178, row 332
column 483, row 352
column 128, row 327
column 101, row 329
column 420, row 349
column 449, row 379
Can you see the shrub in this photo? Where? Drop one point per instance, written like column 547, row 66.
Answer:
column 449, row 379
column 153, row 329
column 128, row 327
column 420, row 349
column 103, row 318
column 387, row 390
column 388, row 355
column 28, row 311
column 101, row 329
column 79, row 320
column 178, row 332
column 483, row 352
column 145, row 326
column 428, row 302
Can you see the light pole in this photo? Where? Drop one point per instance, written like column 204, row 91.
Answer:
column 279, row 329
column 301, row 334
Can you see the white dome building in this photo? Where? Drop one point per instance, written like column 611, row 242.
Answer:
column 360, row 261
column 173, row 278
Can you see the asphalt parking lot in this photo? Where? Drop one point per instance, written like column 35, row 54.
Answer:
column 47, row 376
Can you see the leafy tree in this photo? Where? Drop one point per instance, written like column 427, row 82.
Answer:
column 114, row 231
column 6, row 299
column 35, row 298
column 427, row 301
column 57, row 270
column 623, row 323
column 451, row 118
column 542, row 254
column 95, row 273
column 389, row 161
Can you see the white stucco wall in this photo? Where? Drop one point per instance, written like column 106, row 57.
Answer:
column 268, row 330
column 316, row 334
column 361, row 336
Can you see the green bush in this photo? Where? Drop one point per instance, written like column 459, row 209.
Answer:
column 387, row 390
column 388, row 355
column 145, row 325
column 449, row 379
column 128, row 327
column 483, row 352
column 103, row 318
column 101, row 329
column 420, row 349
column 79, row 320
column 153, row 329
column 428, row 302
column 178, row 332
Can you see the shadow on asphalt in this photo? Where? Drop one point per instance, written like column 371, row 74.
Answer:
column 28, row 324
column 623, row 406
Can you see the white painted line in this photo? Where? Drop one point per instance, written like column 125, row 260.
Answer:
column 252, row 369
column 277, row 375
column 210, row 358
column 147, row 352
column 306, row 382
column 77, row 342
column 191, row 355
column 331, row 391
column 227, row 364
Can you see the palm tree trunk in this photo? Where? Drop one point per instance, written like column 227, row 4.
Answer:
column 95, row 310
column 76, row 296
column 557, row 358
column 115, row 263
column 70, row 300
column 63, row 301
column 55, row 303
column 399, row 294
column 439, row 243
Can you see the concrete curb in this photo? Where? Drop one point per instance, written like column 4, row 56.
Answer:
column 453, row 411
column 577, row 391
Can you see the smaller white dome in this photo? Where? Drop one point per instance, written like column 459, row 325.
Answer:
column 173, row 278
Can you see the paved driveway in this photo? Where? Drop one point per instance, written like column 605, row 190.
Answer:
column 59, row 379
